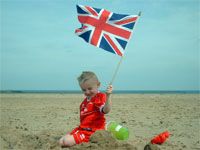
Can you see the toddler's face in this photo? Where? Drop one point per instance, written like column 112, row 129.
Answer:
column 90, row 88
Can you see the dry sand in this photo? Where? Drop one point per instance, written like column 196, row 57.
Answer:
column 37, row 121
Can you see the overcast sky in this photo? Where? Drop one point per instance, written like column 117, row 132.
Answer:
column 39, row 50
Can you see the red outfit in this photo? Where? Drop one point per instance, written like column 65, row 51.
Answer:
column 91, row 118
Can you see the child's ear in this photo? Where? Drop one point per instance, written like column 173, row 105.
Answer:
column 98, row 84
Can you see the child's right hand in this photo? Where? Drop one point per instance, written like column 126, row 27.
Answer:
column 109, row 89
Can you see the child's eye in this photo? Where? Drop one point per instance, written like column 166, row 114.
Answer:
column 89, row 88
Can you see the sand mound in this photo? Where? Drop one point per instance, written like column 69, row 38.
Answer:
column 48, row 139
column 104, row 140
column 151, row 146
column 45, row 140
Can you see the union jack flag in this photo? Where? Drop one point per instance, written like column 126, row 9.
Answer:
column 105, row 29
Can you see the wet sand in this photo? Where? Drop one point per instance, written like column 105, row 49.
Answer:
column 37, row 121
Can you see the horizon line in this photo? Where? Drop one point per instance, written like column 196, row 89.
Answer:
column 114, row 92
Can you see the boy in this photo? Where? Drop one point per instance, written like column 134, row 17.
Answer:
column 92, row 110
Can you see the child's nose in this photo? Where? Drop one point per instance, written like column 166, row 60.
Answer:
column 87, row 92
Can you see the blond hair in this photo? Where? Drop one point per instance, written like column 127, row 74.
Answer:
column 86, row 75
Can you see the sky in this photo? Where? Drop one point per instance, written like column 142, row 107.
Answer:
column 40, row 51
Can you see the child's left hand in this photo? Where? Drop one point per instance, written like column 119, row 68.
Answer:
column 109, row 89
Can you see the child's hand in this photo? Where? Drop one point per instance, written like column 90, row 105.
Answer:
column 109, row 89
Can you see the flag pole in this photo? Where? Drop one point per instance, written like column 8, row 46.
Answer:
column 139, row 14
column 117, row 69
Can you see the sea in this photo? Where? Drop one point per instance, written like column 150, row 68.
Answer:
column 114, row 92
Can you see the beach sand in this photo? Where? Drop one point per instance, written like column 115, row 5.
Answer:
column 37, row 121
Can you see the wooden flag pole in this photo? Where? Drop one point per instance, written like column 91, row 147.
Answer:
column 117, row 69
column 139, row 14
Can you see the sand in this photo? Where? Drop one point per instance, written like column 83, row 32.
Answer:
column 37, row 121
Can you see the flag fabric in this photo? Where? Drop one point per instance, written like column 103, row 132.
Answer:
column 107, row 30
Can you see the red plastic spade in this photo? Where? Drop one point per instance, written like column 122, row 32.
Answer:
column 161, row 138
